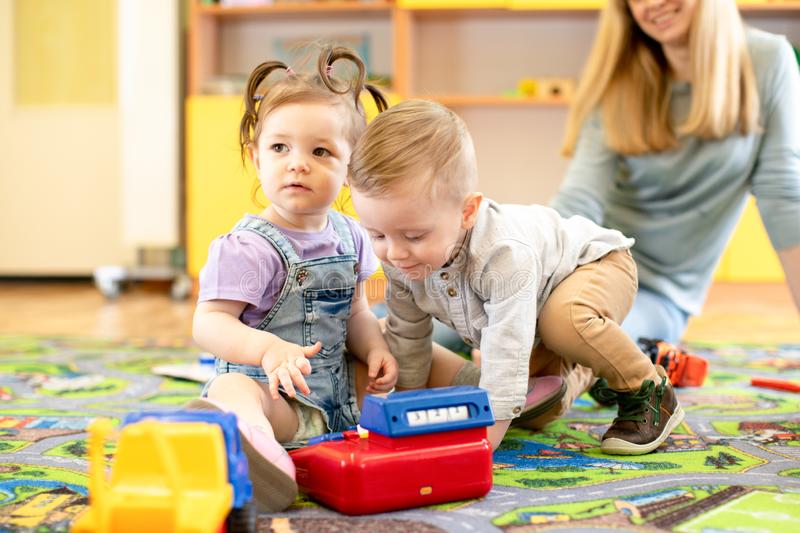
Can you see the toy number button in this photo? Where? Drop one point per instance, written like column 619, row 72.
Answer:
column 459, row 412
column 417, row 418
column 437, row 415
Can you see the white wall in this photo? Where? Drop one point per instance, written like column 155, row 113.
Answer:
column 82, row 185
column 60, row 193
column 149, row 104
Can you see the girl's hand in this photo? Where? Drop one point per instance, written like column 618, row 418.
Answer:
column 286, row 363
column 382, row 371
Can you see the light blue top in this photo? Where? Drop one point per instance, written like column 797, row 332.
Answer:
column 682, row 205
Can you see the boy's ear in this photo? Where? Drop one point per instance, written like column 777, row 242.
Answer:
column 469, row 213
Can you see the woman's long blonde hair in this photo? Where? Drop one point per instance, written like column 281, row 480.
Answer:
column 627, row 77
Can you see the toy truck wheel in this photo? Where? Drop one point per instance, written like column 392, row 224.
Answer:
column 242, row 520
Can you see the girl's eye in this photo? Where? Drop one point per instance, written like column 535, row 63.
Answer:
column 279, row 148
column 414, row 238
column 321, row 152
column 376, row 237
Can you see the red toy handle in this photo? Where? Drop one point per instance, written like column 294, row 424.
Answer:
column 771, row 383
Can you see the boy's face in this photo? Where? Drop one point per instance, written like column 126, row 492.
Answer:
column 413, row 233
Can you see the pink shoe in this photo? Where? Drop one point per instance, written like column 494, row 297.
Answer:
column 543, row 393
column 271, row 469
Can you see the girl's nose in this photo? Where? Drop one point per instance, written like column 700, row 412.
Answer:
column 297, row 164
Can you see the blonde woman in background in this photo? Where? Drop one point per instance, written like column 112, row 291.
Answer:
column 681, row 113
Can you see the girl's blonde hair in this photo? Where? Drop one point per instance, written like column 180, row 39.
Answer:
column 627, row 78
column 418, row 143
column 260, row 97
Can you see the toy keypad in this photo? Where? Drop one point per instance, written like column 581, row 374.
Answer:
column 427, row 411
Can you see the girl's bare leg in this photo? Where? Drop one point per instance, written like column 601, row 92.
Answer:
column 251, row 402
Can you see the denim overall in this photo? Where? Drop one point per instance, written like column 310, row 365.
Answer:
column 314, row 305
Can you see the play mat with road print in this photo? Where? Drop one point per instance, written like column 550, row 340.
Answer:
column 734, row 465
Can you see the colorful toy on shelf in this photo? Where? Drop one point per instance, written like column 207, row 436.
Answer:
column 423, row 447
column 172, row 471
column 546, row 88
column 528, row 87
column 684, row 369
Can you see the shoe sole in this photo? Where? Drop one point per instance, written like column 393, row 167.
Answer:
column 273, row 489
column 546, row 404
column 615, row 446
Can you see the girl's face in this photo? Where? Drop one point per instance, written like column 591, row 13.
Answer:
column 666, row 21
column 301, row 157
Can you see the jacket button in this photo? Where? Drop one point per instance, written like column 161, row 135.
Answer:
column 444, row 275
column 516, row 410
column 452, row 292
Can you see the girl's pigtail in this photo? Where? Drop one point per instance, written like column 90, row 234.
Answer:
column 247, row 125
column 377, row 97
column 325, row 63
column 325, row 67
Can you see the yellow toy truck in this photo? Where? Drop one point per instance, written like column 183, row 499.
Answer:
column 173, row 471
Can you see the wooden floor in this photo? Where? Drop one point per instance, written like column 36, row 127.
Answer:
column 733, row 312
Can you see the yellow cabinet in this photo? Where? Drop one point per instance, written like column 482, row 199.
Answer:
column 749, row 257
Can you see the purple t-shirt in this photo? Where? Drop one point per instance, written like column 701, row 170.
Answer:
column 245, row 267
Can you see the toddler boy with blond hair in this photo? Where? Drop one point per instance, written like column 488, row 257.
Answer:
column 539, row 294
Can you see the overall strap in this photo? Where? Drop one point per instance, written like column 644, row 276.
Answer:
column 271, row 233
column 343, row 230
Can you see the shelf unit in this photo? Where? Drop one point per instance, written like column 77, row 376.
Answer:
column 433, row 49
column 405, row 16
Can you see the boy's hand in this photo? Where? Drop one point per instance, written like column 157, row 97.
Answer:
column 382, row 371
column 286, row 363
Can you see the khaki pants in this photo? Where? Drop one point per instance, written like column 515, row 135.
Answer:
column 580, row 334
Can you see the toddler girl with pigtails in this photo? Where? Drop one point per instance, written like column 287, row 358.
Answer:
column 281, row 303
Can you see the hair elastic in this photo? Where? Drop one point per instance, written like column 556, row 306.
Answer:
column 329, row 71
column 289, row 71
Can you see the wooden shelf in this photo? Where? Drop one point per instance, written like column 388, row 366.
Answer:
column 563, row 5
column 491, row 100
column 335, row 6
column 207, row 21
column 355, row 6
column 793, row 5
column 420, row 46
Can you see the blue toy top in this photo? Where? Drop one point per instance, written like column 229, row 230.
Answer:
column 237, row 461
column 401, row 414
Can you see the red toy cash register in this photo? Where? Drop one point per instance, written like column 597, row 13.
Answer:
column 424, row 447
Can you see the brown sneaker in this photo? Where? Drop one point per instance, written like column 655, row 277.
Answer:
column 645, row 418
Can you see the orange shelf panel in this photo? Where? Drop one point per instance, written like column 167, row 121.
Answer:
column 478, row 100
